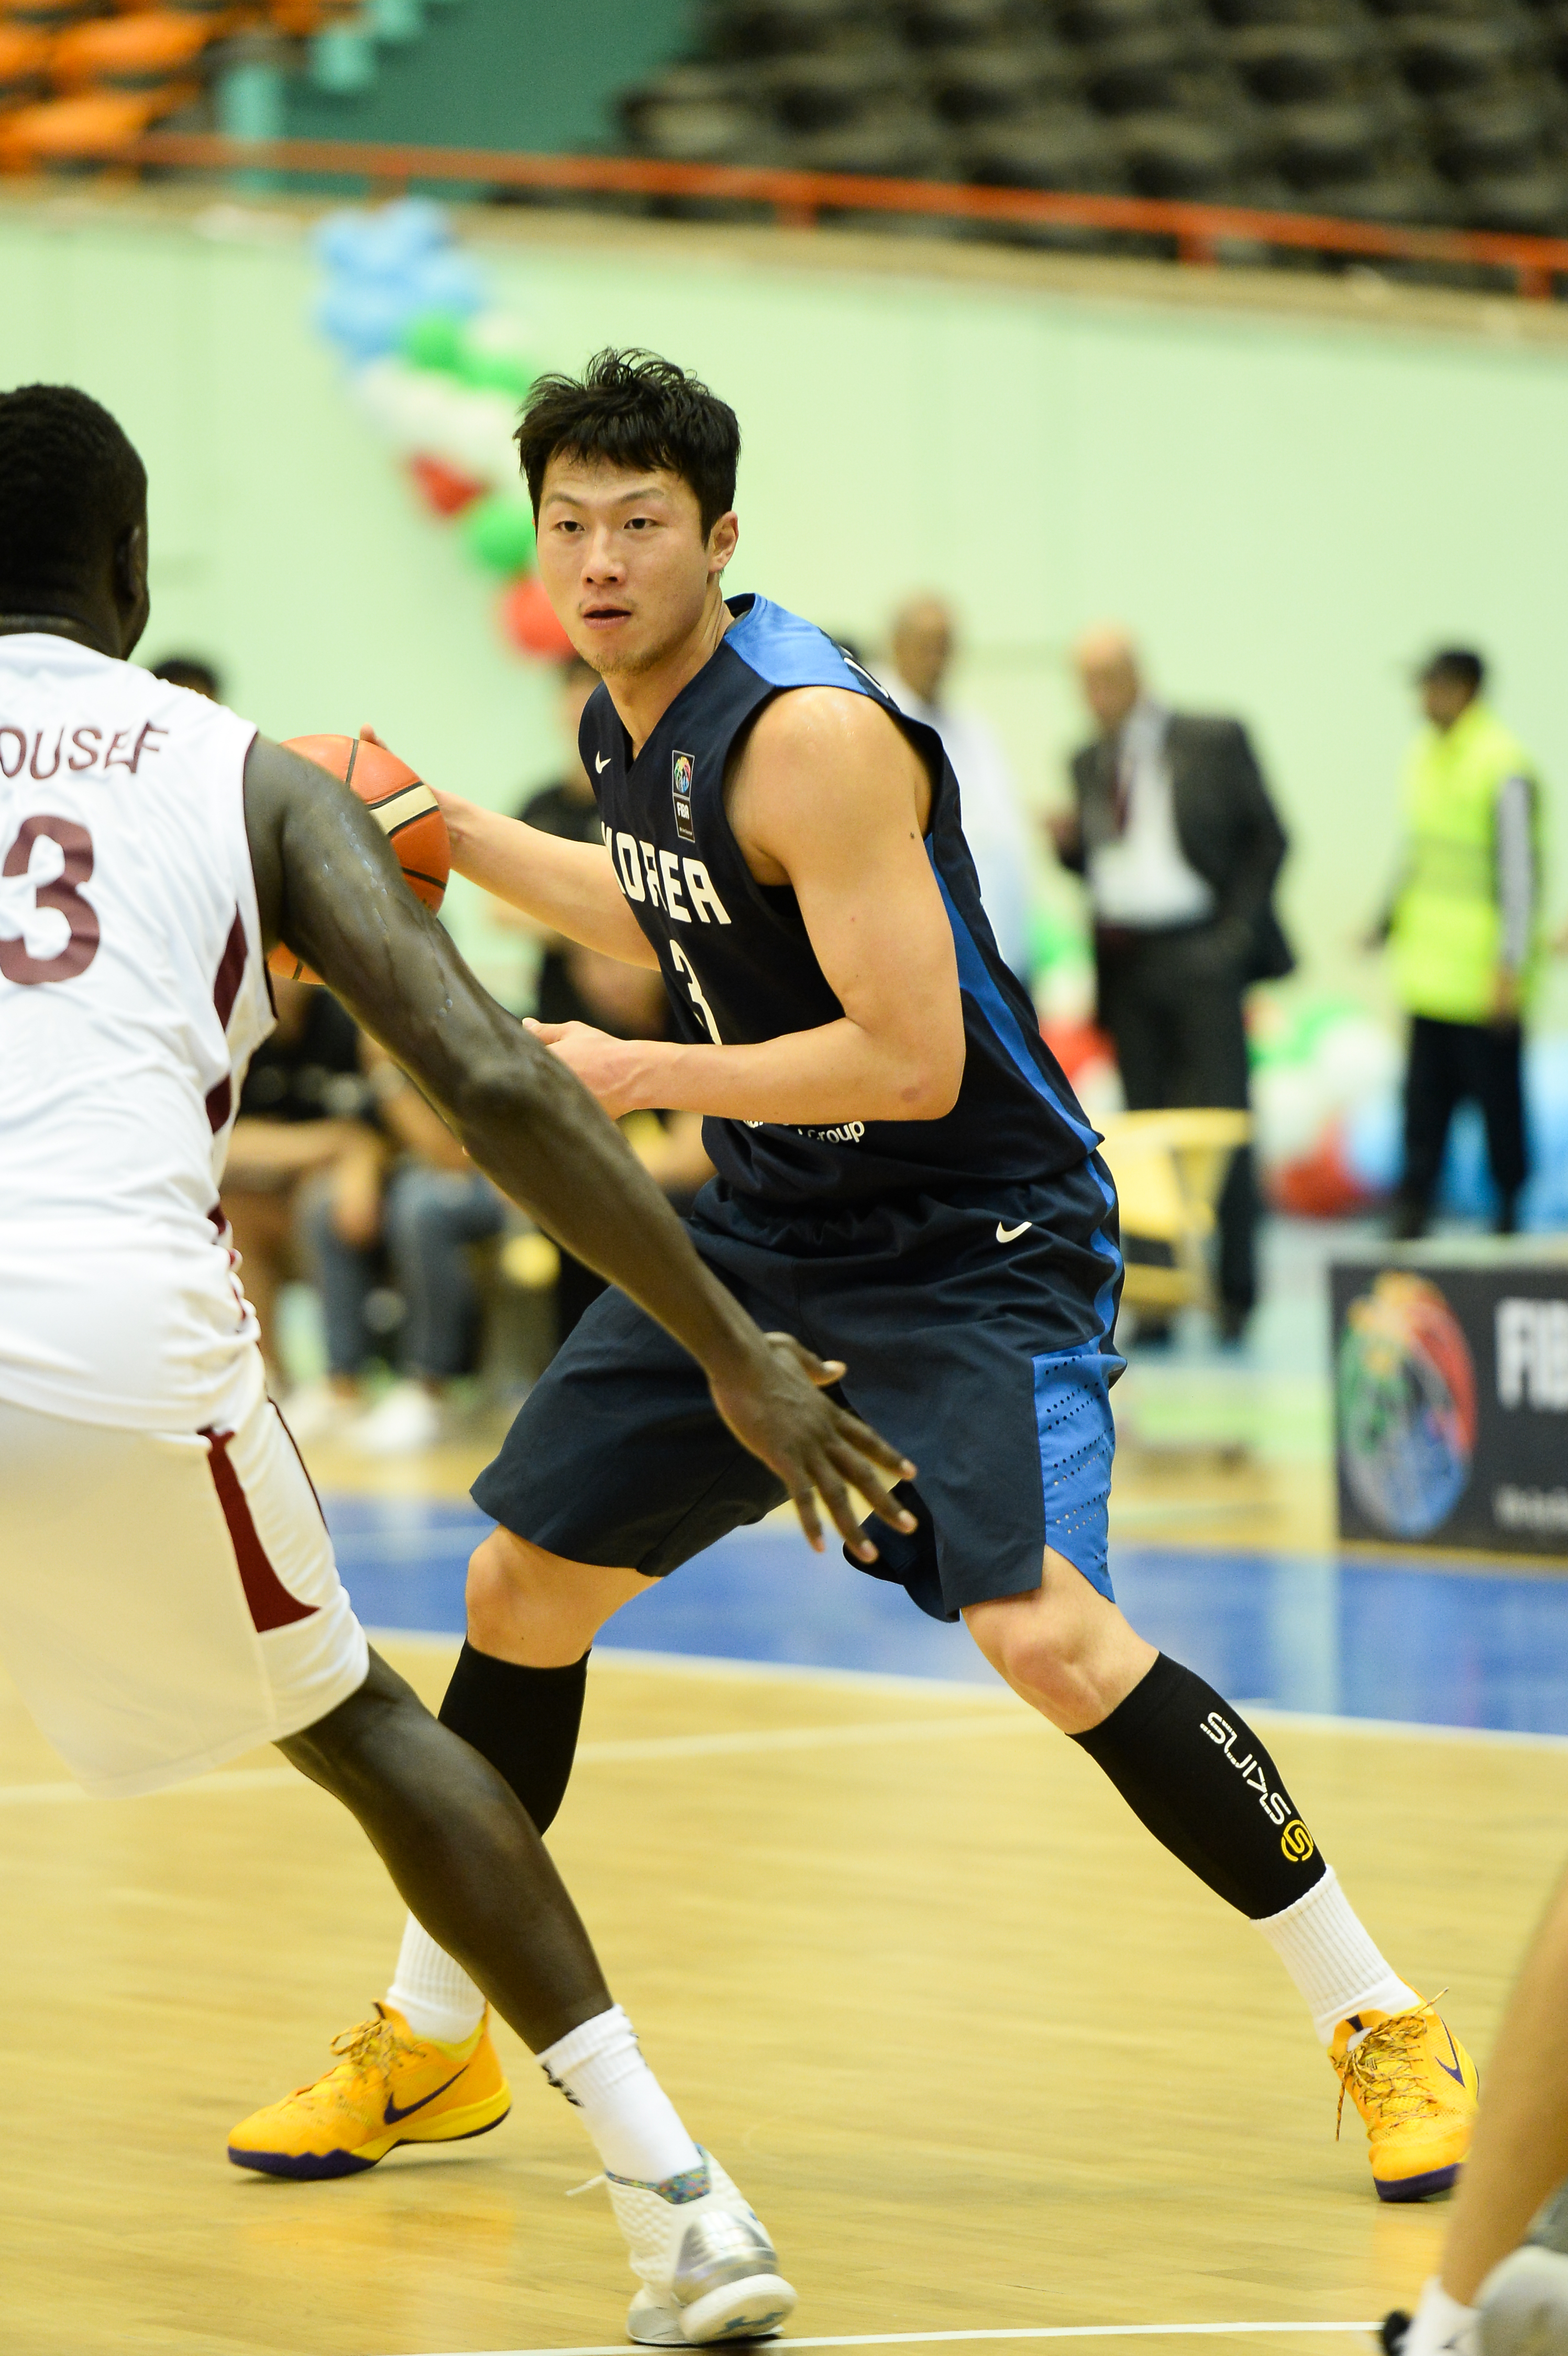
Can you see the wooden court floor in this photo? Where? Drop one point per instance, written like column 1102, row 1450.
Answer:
column 982, row 2055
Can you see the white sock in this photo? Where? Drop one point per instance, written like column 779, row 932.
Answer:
column 1441, row 2327
column 1322, row 1945
column 435, row 1996
column 636, row 2127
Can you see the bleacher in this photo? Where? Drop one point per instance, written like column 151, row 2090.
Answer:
column 80, row 81
column 1428, row 112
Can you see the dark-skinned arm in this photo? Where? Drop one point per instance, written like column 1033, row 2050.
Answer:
column 329, row 886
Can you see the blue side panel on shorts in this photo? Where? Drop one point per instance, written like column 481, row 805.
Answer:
column 1077, row 1440
column 975, row 980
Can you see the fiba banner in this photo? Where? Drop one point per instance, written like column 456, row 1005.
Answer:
column 1451, row 1403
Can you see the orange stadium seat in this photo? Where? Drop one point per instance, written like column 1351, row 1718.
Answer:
column 216, row 13
column 300, row 18
column 146, row 52
column 97, row 128
column 43, row 15
column 24, row 64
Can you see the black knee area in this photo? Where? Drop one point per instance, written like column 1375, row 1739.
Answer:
column 524, row 1721
column 1194, row 1773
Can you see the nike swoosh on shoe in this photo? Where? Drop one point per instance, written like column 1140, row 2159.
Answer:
column 392, row 2114
column 1457, row 2073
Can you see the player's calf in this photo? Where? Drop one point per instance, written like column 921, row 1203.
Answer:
column 1199, row 1778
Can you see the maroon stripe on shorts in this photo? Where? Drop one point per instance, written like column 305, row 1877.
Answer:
column 304, row 1468
column 271, row 1605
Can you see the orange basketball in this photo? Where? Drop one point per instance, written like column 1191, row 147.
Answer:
column 405, row 808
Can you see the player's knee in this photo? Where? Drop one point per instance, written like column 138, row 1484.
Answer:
column 1033, row 1645
column 518, row 1603
column 494, row 1593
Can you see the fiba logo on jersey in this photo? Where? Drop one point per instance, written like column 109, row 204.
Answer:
column 682, row 773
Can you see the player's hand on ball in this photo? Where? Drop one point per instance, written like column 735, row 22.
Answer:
column 817, row 1449
column 610, row 1069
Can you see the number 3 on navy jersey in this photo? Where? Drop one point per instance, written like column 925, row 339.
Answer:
column 62, row 894
column 687, row 973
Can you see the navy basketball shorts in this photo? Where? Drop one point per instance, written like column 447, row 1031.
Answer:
column 977, row 1338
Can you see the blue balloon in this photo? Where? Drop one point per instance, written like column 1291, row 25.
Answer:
column 446, row 282
column 363, row 319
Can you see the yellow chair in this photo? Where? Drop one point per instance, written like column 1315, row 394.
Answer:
column 1170, row 1169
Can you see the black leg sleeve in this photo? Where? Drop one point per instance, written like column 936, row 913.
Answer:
column 1197, row 1777
column 524, row 1721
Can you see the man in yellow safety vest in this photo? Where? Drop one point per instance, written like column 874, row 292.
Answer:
column 1462, row 929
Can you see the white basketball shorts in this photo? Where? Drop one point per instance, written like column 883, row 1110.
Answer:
column 167, row 1599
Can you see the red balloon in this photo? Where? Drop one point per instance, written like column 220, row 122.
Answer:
column 441, row 488
column 529, row 623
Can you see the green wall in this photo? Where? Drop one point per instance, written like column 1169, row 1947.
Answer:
column 1289, row 511
column 502, row 73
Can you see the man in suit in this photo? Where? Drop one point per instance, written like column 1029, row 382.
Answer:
column 1174, row 834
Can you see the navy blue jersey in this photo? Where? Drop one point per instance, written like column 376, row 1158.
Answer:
column 738, row 964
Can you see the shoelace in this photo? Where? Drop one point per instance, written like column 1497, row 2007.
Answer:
column 1381, row 2068
column 370, row 2043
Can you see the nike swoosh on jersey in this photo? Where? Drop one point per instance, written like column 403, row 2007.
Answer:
column 1011, row 1235
column 392, row 2114
column 601, row 763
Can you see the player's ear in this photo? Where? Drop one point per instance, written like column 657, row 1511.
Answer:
column 131, row 593
column 722, row 541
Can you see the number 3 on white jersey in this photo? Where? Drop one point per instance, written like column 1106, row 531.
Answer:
column 687, row 972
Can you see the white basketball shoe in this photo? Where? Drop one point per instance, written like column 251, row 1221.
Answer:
column 1524, row 2305
column 708, row 2269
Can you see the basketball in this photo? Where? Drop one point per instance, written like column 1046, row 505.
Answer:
column 404, row 808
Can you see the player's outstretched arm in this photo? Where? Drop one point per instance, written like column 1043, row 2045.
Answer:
column 570, row 886
column 328, row 884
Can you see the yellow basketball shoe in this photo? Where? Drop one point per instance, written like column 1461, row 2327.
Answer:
column 1415, row 2087
column 390, row 2088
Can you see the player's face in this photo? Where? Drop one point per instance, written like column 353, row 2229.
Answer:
column 625, row 561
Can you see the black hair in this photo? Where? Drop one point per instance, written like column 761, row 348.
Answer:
column 71, row 486
column 1460, row 664
column 192, row 671
column 633, row 409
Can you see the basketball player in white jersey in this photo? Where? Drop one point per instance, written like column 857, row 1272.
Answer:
column 169, row 1596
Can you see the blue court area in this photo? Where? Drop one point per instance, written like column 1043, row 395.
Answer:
column 1442, row 1645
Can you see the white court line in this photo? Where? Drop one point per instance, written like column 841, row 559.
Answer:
column 237, row 1779
column 1041, row 2331
column 804, row 1738
column 654, row 1748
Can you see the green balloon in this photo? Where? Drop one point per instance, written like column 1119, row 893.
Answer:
column 498, row 529
column 435, row 340
column 497, row 373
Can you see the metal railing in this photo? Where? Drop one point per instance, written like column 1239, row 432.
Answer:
column 799, row 199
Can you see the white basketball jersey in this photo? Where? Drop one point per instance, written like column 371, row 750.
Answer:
column 132, row 995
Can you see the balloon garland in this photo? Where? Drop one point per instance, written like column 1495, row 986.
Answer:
column 440, row 375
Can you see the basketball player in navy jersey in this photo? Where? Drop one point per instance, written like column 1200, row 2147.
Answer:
column 904, row 1180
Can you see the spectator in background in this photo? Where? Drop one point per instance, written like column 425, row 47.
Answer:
column 1463, row 929
column 995, row 826
column 1173, row 832
column 306, row 1121
column 190, row 670
column 566, row 808
column 437, row 1204
column 582, row 985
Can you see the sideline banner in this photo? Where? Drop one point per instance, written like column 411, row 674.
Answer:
column 1451, row 1401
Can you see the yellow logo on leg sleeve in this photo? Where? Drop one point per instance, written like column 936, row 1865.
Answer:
column 1296, row 1841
